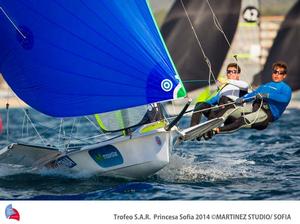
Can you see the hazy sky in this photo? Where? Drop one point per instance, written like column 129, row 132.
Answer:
column 161, row 4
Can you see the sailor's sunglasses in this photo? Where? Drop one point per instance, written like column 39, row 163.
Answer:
column 278, row 72
column 232, row 71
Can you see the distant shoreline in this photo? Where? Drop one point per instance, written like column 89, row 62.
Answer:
column 13, row 102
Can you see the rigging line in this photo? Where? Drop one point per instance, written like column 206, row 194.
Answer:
column 25, row 122
column 46, row 126
column 219, row 27
column 85, row 140
column 23, row 125
column 91, row 137
column 30, row 121
column 97, row 128
column 71, row 135
column 214, row 107
column 7, row 113
column 11, row 21
column 65, row 138
column 217, row 23
column 211, row 74
column 194, row 80
column 7, row 121
column 28, row 118
column 77, row 129
column 27, row 126
column 60, row 130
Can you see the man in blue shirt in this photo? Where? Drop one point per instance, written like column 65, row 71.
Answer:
column 271, row 100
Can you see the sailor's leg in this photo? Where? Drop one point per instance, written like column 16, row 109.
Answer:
column 238, row 111
column 217, row 112
column 246, row 121
column 228, row 111
column 257, row 117
column 232, row 111
column 197, row 113
column 247, row 108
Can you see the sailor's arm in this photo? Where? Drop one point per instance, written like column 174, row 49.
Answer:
column 250, row 96
column 214, row 100
column 284, row 96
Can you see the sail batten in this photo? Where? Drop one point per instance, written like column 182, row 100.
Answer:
column 85, row 57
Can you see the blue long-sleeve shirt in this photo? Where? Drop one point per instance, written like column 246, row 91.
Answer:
column 214, row 100
column 279, row 96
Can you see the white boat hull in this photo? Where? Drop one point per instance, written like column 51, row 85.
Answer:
column 136, row 156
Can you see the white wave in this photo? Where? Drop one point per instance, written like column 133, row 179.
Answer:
column 185, row 169
column 12, row 169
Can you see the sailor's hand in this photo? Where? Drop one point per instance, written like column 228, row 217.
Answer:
column 239, row 101
column 265, row 95
column 261, row 96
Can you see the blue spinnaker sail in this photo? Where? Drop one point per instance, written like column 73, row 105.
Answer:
column 79, row 57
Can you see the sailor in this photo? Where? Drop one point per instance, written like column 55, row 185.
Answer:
column 154, row 113
column 232, row 89
column 271, row 100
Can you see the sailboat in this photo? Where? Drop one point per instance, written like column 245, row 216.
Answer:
column 246, row 42
column 284, row 48
column 188, row 57
column 96, row 57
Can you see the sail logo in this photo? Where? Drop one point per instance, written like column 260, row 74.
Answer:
column 106, row 156
column 12, row 213
column 166, row 85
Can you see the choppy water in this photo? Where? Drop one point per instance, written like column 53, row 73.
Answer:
column 246, row 165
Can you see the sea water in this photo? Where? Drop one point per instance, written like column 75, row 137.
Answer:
column 246, row 165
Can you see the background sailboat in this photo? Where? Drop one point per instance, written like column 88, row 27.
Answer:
column 183, row 45
column 246, row 42
column 285, row 47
